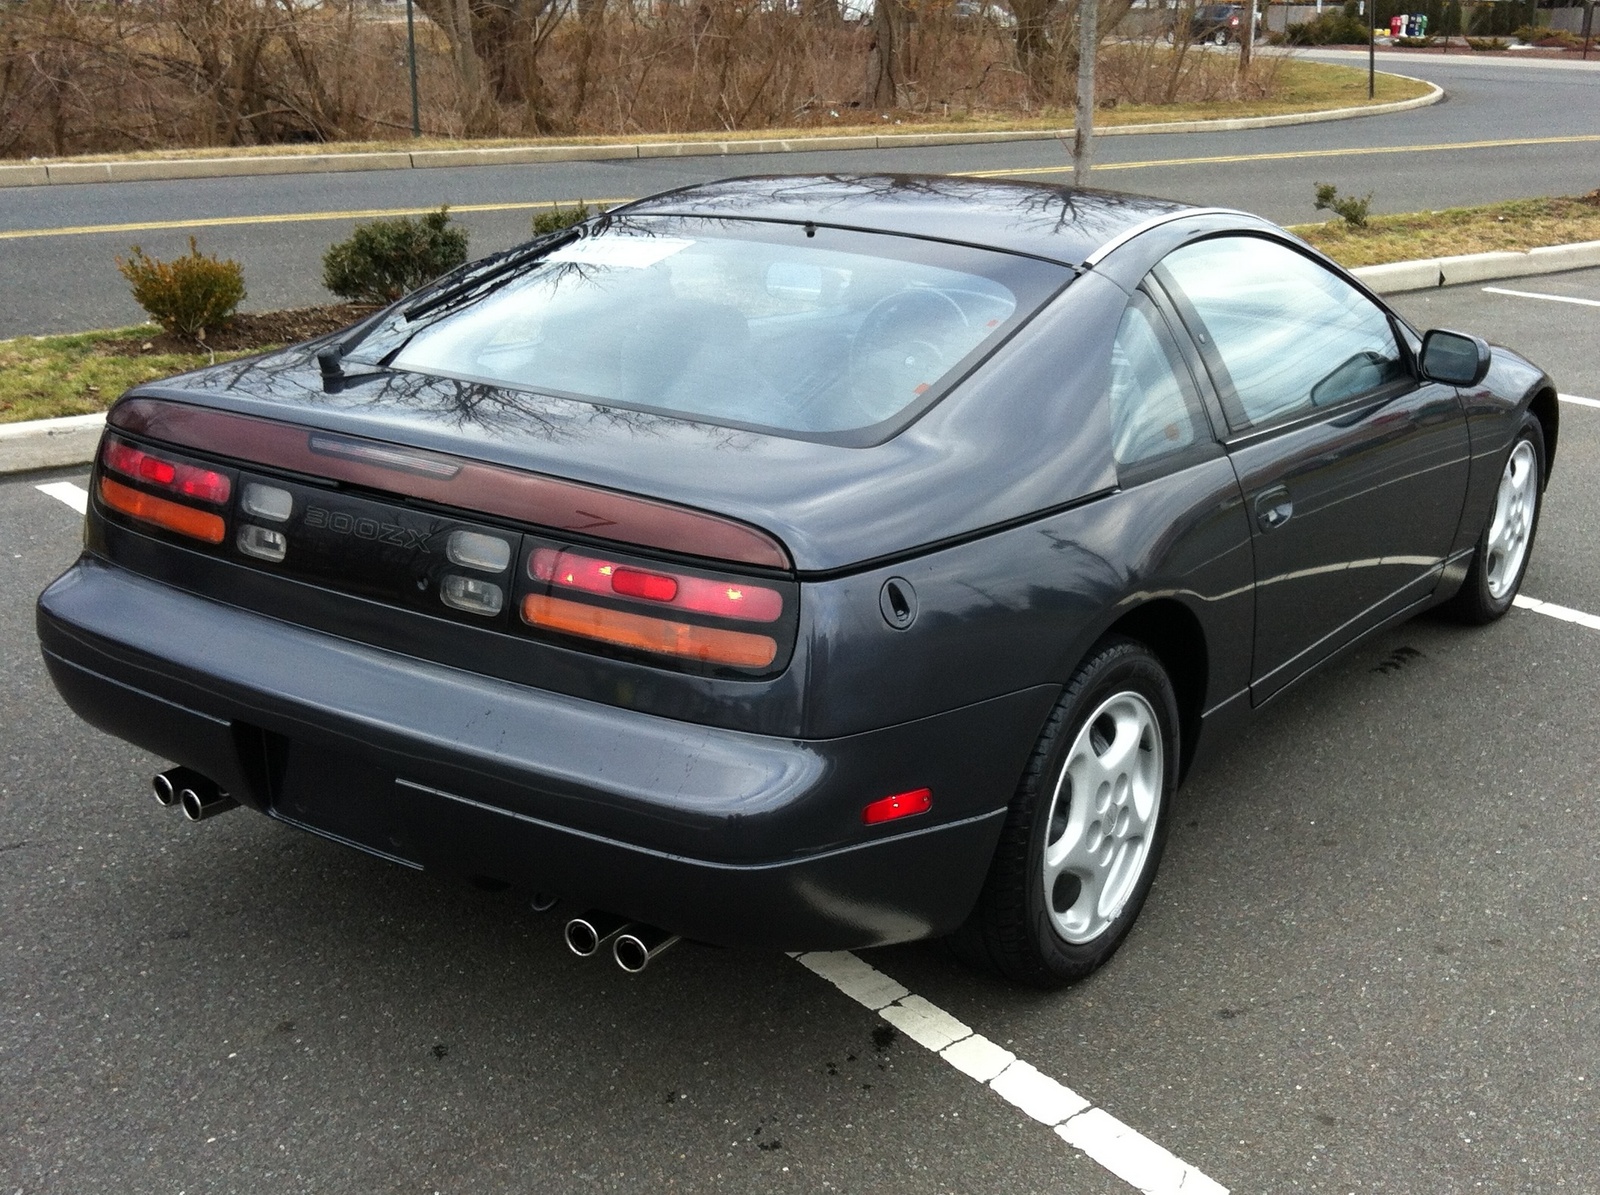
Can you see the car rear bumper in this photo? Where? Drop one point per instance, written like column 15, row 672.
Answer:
column 721, row 835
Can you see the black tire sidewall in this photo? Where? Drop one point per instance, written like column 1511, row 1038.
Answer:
column 1124, row 666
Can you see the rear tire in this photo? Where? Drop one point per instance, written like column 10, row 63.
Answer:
column 1501, row 558
column 1085, row 831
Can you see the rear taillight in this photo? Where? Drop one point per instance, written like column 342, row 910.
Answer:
column 171, row 516
column 191, row 482
column 686, row 615
column 738, row 600
column 642, row 632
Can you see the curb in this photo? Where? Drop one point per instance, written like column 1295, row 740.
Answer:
column 56, row 443
column 34, row 174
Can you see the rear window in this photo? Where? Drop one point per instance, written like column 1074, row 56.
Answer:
column 789, row 328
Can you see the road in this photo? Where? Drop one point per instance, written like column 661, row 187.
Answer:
column 1368, row 963
column 1508, row 129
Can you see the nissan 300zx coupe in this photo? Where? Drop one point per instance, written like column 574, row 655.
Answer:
column 799, row 563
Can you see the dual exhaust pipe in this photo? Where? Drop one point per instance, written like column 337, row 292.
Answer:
column 199, row 797
column 633, row 945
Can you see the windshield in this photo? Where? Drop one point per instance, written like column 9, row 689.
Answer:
column 780, row 327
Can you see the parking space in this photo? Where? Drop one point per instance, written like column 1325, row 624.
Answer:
column 1368, row 963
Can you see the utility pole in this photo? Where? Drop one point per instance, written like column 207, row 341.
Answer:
column 1372, row 50
column 411, row 52
column 1083, row 124
column 1588, row 25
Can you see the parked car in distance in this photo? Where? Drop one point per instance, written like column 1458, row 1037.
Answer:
column 1218, row 24
column 796, row 563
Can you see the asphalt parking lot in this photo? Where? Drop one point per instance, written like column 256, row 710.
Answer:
column 1369, row 963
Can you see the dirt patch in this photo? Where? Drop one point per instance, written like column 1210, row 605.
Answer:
column 249, row 331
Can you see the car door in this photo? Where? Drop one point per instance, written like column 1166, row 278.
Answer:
column 1353, row 470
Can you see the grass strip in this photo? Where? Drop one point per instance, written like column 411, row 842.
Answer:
column 1299, row 86
column 1516, row 225
column 42, row 377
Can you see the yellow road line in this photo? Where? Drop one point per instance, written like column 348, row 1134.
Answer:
column 1353, row 151
column 21, row 234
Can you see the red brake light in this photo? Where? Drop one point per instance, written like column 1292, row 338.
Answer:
column 887, row 809
column 699, row 595
column 652, row 587
column 188, row 480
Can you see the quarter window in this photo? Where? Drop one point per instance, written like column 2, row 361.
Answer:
column 1286, row 335
column 1152, row 413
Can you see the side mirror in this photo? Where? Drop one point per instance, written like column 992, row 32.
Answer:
column 1454, row 358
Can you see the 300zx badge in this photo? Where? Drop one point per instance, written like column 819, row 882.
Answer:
column 362, row 527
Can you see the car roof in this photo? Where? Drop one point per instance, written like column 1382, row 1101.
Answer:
column 1060, row 224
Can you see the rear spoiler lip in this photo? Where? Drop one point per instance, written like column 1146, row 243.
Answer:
column 462, row 482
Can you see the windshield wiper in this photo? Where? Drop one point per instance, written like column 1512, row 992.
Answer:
column 496, row 267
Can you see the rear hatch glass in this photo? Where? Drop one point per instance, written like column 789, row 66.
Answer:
column 797, row 329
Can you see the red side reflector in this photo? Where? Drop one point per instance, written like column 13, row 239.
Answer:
column 701, row 595
column 887, row 809
column 147, row 508
column 188, row 480
column 642, row 633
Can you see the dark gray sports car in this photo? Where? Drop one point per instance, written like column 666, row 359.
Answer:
column 803, row 563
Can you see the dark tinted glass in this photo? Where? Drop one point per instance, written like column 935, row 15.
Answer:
column 1291, row 336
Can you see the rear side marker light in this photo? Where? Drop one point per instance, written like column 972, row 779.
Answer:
column 188, row 481
column 887, row 809
column 267, row 502
column 471, row 595
column 473, row 549
column 263, row 543
column 657, row 635
column 147, row 508
column 699, row 595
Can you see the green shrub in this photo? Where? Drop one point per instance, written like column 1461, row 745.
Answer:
column 1351, row 210
column 1330, row 29
column 188, row 295
column 1486, row 43
column 559, row 218
column 388, row 258
column 1413, row 43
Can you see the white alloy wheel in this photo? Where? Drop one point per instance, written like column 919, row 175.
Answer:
column 1511, row 526
column 1103, row 816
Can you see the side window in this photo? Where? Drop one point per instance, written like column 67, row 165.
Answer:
column 1288, row 335
column 1153, row 409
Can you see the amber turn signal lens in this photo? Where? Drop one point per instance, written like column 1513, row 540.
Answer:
column 657, row 635
column 147, row 508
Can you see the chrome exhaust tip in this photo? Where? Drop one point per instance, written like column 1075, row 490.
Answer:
column 204, row 799
column 635, row 948
column 170, row 784
column 586, row 934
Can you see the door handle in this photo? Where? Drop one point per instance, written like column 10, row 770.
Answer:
column 1273, row 508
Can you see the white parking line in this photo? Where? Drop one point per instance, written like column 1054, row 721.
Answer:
column 1533, row 294
column 71, row 493
column 1564, row 613
column 1581, row 402
column 1128, row 1154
